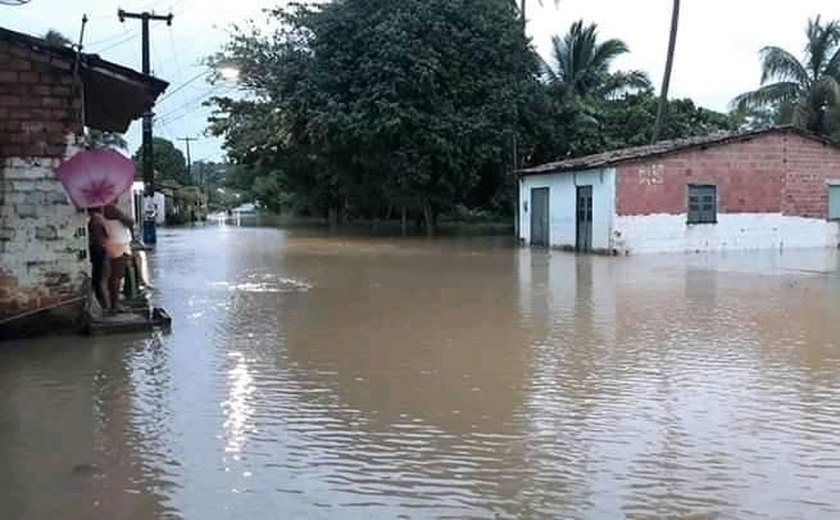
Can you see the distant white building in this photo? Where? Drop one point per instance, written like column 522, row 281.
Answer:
column 135, row 204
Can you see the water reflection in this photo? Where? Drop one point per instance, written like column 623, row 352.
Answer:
column 325, row 376
column 236, row 407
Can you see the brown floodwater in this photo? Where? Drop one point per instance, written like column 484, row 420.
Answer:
column 318, row 376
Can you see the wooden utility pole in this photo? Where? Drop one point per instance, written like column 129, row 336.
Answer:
column 187, row 140
column 149, row 234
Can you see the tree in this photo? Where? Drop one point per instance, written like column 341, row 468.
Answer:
column 630, row 121
column 208, row 173
column 582, row 65
column 804, row 93
column 168, row 162
column 57, row 39
column 580, row 82
column 102, row 139
column 523, row 4
column 669, row 63
column 361, row 107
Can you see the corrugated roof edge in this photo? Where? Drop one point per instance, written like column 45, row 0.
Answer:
column 624, row 155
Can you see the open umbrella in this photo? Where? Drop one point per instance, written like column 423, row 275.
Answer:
column 94, row 178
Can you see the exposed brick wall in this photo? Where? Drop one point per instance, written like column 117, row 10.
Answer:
column 39, row 102
column 809, row 164
column 749, row 176
column 42, row 235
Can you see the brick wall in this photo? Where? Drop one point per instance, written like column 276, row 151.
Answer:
column 42, row 235
column 749, row 176
column 809, row 164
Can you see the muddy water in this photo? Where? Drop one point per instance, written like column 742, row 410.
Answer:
column 324, row 377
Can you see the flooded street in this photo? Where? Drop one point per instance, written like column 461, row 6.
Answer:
column 310, row 376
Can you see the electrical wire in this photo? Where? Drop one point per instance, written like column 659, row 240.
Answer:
column 197, row 99
column 131, row 37
column 182, row 86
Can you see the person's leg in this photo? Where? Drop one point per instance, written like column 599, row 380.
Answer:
column 95, row 273
column 115, row 279
column 102, row 285
column 142, row 268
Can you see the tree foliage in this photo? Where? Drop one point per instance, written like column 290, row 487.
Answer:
column 413, row 108
column 805, row 93
column 366, row 106
column 168, row 162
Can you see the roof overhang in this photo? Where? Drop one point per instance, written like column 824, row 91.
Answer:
column 114, row 95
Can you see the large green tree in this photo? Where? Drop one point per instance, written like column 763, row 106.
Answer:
column 367, row 108
column 802, row 92
column 168, row 162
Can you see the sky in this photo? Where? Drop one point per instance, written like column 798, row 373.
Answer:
column 716, row 56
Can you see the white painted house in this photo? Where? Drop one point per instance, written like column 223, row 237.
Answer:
column 772, row 188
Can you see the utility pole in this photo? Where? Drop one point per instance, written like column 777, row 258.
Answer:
column 149, row 232
column 187, row 140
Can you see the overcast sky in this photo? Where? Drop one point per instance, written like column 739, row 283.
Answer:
column 716, row 56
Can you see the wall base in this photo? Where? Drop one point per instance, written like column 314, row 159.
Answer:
column 734, row 231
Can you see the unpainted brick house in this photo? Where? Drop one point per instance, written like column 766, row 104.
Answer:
column 48, row 95
column 768, row 189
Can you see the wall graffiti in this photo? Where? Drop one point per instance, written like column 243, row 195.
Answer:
column 651, row 175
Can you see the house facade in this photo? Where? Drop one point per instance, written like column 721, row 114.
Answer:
column 48, row 95
column 769, row 189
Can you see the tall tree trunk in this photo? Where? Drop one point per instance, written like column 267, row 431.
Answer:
column 666, row 81
column 428, row 218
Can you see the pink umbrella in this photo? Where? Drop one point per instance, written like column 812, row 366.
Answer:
column 94, row 178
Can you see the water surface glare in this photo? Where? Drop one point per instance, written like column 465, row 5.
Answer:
column 317, row 376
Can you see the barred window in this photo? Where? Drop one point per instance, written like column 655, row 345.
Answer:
column 702, row 204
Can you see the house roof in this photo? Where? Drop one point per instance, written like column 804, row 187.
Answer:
column 661, row 148
column 116, row 95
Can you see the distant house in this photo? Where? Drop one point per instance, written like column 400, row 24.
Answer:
column 48, row 94
column 767, row 189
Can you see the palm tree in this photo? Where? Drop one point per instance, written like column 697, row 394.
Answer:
column 669, row 63
column 582, row 66
column 524, row 3
column 805, row 93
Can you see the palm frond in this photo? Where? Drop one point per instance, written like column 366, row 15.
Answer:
column 772, row 94
column 620, row 82
column 822, row 40
column 832, row 67
column 607, row 51
column 780, row 65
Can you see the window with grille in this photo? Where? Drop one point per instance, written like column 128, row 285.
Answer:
column 702, row 204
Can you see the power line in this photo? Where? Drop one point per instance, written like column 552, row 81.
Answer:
column 130, row 37
column 181, row 86
column 201, row 97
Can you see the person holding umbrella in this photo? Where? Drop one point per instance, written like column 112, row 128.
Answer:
column 94, row 179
